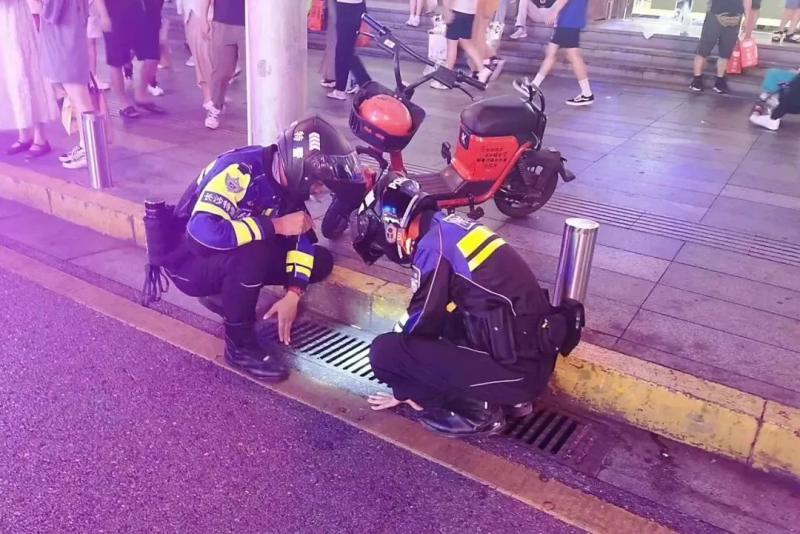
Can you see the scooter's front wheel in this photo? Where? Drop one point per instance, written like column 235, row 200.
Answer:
column 519, row 197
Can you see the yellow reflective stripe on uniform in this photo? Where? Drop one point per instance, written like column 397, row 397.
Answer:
column 487, row 251
column 300, row 258
column 475, row 238
column 243, row 235
column 253, row 225
column 207, row 207
column 299, row 269
column 401, row 323
column 451, row 307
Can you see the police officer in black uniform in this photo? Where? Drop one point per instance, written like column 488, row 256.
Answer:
column 247, row 226
column 479, row 335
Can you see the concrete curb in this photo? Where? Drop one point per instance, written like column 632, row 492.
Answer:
column 713, row 417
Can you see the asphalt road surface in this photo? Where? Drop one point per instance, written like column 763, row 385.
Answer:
column 107, row 429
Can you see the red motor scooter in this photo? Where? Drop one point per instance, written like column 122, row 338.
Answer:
column 498, row 155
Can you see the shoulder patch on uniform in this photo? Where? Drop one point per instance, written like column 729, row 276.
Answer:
column 458, row 220
column 232, row 184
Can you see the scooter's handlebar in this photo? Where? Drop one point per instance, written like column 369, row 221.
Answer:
column 386, row 40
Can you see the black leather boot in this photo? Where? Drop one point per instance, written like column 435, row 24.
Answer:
column 243, row 352
column 464, row 418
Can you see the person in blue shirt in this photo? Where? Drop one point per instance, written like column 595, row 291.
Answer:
column 569, row 18
column 475, row 344
column 246, row 226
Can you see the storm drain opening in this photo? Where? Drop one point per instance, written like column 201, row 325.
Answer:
column 330, row 347
column 546, row 429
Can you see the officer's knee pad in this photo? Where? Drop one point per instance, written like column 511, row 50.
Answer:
column 384, row 350
column 323, row 264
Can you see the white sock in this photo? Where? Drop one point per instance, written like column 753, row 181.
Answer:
column 537, row 81
column 586, row 89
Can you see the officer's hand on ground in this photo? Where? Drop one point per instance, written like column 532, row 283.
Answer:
column 296, row 223
column 286, row 311
column 384, row 401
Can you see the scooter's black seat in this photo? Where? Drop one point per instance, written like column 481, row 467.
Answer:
column 498, row 116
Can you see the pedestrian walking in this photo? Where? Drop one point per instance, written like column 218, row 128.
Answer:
column 134, row 30
column 94, row 32
column 460, row 18
column 788, row 28
column 26, row 99
column 64, row 60
column 569, row 19
column 487, row 9
column 328, row 66
column 348, row 22
column 226, row 34
column 720, row 30
column 194, row 21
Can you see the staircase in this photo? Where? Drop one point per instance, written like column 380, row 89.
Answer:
column 611, row 54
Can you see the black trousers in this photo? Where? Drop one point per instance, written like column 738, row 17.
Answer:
column 239, row 274
column 434, row 372
column 348, row 21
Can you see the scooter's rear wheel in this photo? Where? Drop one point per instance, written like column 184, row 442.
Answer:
column 335, row 221
column 519, row 197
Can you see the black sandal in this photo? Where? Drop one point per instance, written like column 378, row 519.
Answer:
column 18, row 147
column 152, row 108
column 129, row 112
column 38, row 150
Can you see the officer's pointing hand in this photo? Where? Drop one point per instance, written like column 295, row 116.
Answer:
column 296, row 223
column 286, row 311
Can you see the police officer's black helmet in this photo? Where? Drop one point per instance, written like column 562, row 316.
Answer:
column 312, row 150
column 387, row 213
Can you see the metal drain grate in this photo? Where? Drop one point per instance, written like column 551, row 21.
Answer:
column 546, row 429
column 732, row 240
column 329, row 346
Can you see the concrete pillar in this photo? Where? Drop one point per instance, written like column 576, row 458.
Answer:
column 277, row 60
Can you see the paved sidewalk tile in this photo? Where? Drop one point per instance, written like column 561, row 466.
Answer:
column 762, row 219
column 757, row 269
column 738, row 319
column 734, row 289
column 740, row 355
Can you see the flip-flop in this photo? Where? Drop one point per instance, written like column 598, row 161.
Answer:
column 152, row 108
column 18, row 146
column 129, row 112
column 38, row 150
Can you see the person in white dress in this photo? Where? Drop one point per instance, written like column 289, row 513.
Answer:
column 27, row 102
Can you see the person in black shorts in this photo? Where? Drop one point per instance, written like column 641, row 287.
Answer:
column 569, row 18
column 720, row 29
column 460, row 17
column 135, row 26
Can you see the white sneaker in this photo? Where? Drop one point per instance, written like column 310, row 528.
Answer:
column 330, row 84
column 74, row 153
column 212, row 117
column 208, row 105
column 77, row 162
column 765, row 121
column 520, row 33
column 155, row 90
column 436, row 84
column 412, row 21
column 103, row 86
column 190, row 62
column 337, row 95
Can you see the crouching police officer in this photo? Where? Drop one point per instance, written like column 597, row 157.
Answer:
column 479, row 335
column 248, row 227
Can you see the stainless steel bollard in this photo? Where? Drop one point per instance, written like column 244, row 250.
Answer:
column 96, row 140
column 575, row 261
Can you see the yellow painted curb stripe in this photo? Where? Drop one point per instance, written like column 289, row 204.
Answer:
column 567, row 504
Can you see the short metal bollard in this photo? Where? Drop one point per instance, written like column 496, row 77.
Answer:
column 96, row 140
column 575, row 261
